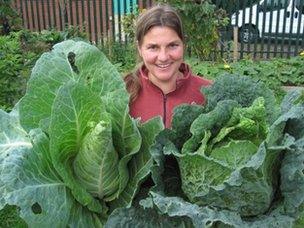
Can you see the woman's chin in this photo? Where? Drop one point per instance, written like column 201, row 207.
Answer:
column 164, row 78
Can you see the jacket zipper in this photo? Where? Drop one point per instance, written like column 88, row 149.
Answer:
column 165, row 109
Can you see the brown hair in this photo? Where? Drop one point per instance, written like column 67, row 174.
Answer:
column 159, row 15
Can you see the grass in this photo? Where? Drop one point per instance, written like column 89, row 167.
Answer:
column 9, row 218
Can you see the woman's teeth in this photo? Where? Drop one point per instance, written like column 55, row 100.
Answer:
column 163, row 65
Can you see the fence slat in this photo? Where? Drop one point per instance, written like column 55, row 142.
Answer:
column 102, row 20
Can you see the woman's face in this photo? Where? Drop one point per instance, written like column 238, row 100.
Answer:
column 162, row 52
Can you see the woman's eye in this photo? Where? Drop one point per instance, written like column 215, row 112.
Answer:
column 173, row 45
column 153, row 47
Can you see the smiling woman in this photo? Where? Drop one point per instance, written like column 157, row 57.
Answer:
column 162, row 53
column 162, row 81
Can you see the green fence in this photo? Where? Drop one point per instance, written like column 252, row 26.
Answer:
column 258, row 29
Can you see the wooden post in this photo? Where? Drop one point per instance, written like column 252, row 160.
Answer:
column 235, row 43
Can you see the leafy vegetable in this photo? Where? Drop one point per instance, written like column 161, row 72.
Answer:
column 243, row 90
column 69, row 152
column 240, row 160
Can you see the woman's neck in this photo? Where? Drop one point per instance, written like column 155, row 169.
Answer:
column 165, row 86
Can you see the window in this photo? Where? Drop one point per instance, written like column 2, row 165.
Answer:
column 271, row 5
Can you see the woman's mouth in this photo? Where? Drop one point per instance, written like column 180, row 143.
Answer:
column 163, row 66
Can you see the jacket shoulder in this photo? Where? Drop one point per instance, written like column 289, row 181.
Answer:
column 201, row 80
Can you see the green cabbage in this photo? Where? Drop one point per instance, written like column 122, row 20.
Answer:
column 239, row 161
column 69, row 152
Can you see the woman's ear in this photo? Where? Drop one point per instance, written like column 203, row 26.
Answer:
column 138, row 49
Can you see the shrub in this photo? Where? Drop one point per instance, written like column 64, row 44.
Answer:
column 18, row 54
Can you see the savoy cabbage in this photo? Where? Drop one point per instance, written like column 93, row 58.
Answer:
column 239, row 161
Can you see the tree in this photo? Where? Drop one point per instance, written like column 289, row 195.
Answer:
column 202, row 21
column 9, row 18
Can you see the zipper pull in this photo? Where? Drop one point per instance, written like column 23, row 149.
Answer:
column 165, row 108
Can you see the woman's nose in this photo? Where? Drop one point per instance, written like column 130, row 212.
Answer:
column 162, row 55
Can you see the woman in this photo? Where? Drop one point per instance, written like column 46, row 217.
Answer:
column 163, row 81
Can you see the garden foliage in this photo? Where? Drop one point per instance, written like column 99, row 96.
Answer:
column 275, row 73
column 69, row 151
column 71, row 155
column 18, row 53
column 201, row 22
column 239, row 161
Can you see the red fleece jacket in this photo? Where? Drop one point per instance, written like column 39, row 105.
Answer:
column 151, row 101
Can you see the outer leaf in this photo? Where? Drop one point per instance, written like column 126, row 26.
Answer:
column 124, row 127
column 290, row 100
column 183, row 117
column 34, row 186
column 292, row 177
column 74, row 108
column 163, row 140
column 29, row 177
column 69, row 60
column 50, row 72
column 125, row 132
column 92, row 66
column 12, row 138
column 200, row 217
column 208, row 216
column 140, row 165
column 144, row 218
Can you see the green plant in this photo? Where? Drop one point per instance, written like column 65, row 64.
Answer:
column 239, row 161
column 202, row 22
column 42, row 41
column 13, row 70
column 72, row 140
column 275, row 73
column 18, row 54
column 207, row 69
column 71, row 155
column 128, row 23
column 9, row 217
column 124, row 62
column 9, row 18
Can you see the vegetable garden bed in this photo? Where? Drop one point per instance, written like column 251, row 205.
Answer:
column 71, row 155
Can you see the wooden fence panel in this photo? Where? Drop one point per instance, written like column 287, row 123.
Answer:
column 101, row 20
column 95, row 17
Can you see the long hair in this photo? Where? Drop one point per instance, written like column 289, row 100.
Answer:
column 158, row 15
